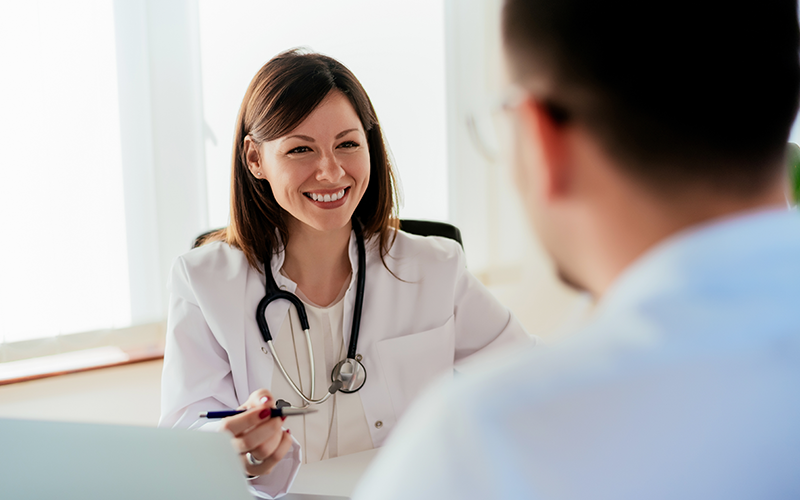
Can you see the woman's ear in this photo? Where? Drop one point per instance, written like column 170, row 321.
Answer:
column 552, row 137
column 253, row 158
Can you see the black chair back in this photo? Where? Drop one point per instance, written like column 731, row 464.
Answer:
column 418, row 227
column 431, row 228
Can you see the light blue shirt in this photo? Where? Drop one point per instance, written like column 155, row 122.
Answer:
column 685, row 385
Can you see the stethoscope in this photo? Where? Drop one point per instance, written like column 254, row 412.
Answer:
column 349, row 374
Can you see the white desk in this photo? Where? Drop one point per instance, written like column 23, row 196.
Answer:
column 336, row 476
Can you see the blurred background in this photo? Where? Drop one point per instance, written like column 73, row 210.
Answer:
column 115, row 138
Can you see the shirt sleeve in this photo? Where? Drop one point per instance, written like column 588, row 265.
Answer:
column 485, row 329
column 197, row 377
column 433, row 454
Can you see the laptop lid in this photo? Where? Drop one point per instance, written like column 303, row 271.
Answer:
column 65, row 460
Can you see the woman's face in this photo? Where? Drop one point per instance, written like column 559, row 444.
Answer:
column 320, row 170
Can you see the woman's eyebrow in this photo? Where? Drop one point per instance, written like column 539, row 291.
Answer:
column 311, row 139
column 345, row 132
column 303, row 137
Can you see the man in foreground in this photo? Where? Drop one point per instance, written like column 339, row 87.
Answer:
column 650, row 144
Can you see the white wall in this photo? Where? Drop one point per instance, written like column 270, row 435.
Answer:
column 395, row 49
column 501, row 250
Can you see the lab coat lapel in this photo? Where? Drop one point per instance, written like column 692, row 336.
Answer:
column 375, row 396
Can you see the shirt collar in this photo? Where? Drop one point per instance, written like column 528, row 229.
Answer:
column 717, row 250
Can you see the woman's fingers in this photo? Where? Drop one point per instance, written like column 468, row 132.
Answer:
column 264, row 437
column 257, row 398
column 257, row 433
column 254, row 416
column 269, row 461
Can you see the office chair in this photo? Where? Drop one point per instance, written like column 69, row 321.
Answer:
column 418, row 227
column 431, row 228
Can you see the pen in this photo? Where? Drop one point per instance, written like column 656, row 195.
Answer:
column 274, row 412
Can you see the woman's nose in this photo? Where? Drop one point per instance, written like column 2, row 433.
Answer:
column 329, row 169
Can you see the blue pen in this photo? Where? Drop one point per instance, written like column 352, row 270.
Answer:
column 274, row 412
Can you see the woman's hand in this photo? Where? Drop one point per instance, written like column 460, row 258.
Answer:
column 256, row 433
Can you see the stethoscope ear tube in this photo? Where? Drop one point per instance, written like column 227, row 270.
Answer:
column 273, row 293
column 360, row 281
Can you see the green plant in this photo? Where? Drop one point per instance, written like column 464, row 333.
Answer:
column 793, row 159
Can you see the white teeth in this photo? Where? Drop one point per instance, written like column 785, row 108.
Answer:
column 327, row 198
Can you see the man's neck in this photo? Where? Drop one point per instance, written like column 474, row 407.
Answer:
column 635, row 223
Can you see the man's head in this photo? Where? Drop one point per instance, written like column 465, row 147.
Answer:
column 671, row 105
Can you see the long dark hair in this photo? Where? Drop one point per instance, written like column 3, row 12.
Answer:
column 281, row 95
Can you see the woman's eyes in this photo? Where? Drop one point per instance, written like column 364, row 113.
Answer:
column 306, row 149
column 298, row 149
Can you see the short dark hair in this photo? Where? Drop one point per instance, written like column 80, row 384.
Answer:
column 678, row 92
column 284, row 92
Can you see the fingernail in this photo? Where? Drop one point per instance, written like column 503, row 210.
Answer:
column 283, row 418
column 288, row 431
column 264, row 414
column 264, row 399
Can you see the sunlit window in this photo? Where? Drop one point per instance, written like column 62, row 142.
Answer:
column 63, row 262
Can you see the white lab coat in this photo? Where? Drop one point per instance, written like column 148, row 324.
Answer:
column 413, row 329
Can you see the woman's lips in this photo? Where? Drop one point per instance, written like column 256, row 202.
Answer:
column 333, row 199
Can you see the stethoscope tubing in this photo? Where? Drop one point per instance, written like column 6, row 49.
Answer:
column 360, row 281
column 273, row 293
column 307, row 400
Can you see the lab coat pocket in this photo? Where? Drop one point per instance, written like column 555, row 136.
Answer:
column 411, row 362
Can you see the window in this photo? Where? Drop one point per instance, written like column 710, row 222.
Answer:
column 64, row 263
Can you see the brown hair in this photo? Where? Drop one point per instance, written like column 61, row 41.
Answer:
column 699, row 92
column 281, row 95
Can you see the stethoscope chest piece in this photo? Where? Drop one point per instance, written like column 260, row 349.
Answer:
column 350, row 373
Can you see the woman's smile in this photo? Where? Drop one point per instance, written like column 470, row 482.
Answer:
column 328, row 199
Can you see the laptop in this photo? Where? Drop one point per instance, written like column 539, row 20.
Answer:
column 65, row 461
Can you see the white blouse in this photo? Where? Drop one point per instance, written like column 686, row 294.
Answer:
column 339, row 427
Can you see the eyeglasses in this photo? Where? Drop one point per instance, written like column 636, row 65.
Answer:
column 491, row 127
column 492, row 124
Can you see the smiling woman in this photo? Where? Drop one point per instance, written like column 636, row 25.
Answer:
column 323, row 164
column 306, row 127
column 313, row 223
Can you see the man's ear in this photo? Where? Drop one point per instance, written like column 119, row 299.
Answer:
column 253, row 158
column 552, row 136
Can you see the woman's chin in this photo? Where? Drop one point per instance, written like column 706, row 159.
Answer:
column 328, row 223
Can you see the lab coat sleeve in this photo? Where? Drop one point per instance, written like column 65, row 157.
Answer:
column 485, row 329
column 197, row 377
